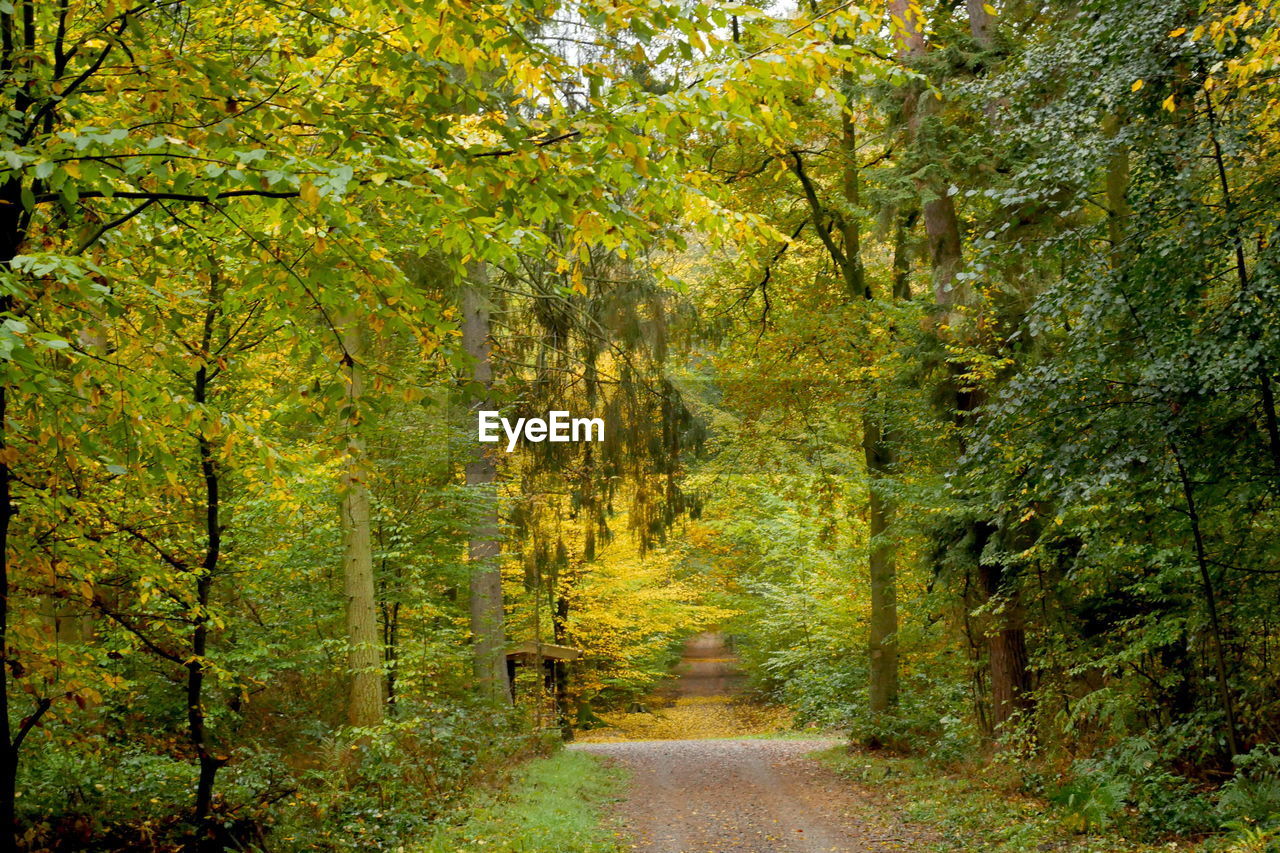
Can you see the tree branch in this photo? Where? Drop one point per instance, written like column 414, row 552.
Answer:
column 164, row 555
column 819, row 213
column 30, row 722
column 123, row 622
column 115, row 223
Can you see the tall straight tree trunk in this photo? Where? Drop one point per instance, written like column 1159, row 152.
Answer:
column 364, row 653
column 1006, row 639
column 487, row 628
column 878, row 453
column 855, row 274
column 1007, row 642
column 903, row 222
column 13, row 227
column 1117, row 181
column 1211, row 605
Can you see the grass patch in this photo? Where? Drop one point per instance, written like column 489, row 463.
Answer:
column 960, row 807
column 551, row 805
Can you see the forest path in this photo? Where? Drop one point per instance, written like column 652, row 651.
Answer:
column 739, row 795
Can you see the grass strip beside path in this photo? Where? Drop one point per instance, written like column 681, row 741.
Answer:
column 553, row 804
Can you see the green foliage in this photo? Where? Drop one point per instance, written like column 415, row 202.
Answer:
column 385, row 788
column 1045, row 421
column 73, row 795
column 1090, row 803
column 1252, row 795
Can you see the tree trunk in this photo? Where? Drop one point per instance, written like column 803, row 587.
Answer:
column 855, row 275
column 1117, row 181
column 391, row 647
column 205, row 836
column 882, row 565
column 903, row 222
column 12, row 233
column 559, row 622
column 1006, row 646
column 364, row 655
column 882, row 640
column 1010, row 684
column 1006, row 651
column 940, row 223
column 1211, row 606
column 981, row 24
column 943, row 231
column 487, row 628
column 907, row 29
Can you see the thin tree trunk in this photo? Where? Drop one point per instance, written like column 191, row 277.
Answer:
column 882, row 645
column 206, row 836
column 12, row 233
column 903, row 221
column 13, row 228
column 391, row 640
column 1211, row 606
column 364, row 655
column 559, row 623
column 1242, row 275
column 487, row 618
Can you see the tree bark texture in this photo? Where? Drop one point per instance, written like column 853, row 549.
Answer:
column 487, row 618
column 941, row 226
column 1006, row 651
column 364, row 651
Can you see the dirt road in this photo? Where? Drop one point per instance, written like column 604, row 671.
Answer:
column 744, row 796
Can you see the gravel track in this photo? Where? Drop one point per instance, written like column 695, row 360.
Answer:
column 741, row 796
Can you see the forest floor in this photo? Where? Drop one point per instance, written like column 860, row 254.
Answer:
column 702, row 780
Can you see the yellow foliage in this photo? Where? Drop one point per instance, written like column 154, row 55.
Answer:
column 693, row 718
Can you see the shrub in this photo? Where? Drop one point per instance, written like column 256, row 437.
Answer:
column 1253, row 794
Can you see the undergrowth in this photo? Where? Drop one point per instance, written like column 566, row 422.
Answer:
column 965, row 802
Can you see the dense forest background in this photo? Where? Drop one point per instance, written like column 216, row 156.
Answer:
column 936, row 343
